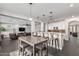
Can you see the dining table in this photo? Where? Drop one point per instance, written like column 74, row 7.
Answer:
column 34, row 41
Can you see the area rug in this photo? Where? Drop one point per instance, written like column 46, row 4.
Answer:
column 16, row 53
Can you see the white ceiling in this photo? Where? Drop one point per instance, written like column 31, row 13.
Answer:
column 60, row 10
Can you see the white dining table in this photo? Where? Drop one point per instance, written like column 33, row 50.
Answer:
column 34, row 41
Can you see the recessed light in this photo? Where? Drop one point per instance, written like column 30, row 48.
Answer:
column 43, row 14
column 72, row 16
column 71, row 5
column 51, row 12
column 50, row 16
column 38, row 17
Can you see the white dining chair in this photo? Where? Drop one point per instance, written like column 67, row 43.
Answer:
column 56, row 40
column 34, row 33
column 38, row 34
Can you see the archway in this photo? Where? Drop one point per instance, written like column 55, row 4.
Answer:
column 67, row 22
column 73, row 29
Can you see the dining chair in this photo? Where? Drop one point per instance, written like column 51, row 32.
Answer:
column 38, row 34
column 34, row 34
column 46, row 35
column 22, row 47
column 43, row 49
column 29, row 51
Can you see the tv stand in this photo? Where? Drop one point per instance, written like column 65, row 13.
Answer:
column 24, row 34
column 21, row 34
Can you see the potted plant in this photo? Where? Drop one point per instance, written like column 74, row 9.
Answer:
column 1, row 30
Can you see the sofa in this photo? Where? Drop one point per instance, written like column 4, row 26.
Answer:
column 13, row 36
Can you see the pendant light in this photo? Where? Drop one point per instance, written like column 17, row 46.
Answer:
column 30, row 12
column 51, row 15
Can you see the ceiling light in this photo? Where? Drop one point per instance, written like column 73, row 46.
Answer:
column 72, row 16
column 30, row 19
column 71, row 5
column 43, row 14
column 38, row 17
column 50, row 16
column 50, row 12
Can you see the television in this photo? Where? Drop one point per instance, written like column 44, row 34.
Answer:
column 21, row 29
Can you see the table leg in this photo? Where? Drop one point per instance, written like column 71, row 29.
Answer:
column 33, row 50
column 47, row 49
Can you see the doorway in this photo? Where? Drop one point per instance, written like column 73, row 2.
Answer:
column 74, row 29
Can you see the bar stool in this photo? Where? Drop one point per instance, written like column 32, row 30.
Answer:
column 56, row 38
column 52, row 38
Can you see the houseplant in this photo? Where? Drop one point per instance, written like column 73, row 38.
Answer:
column 1, row 30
